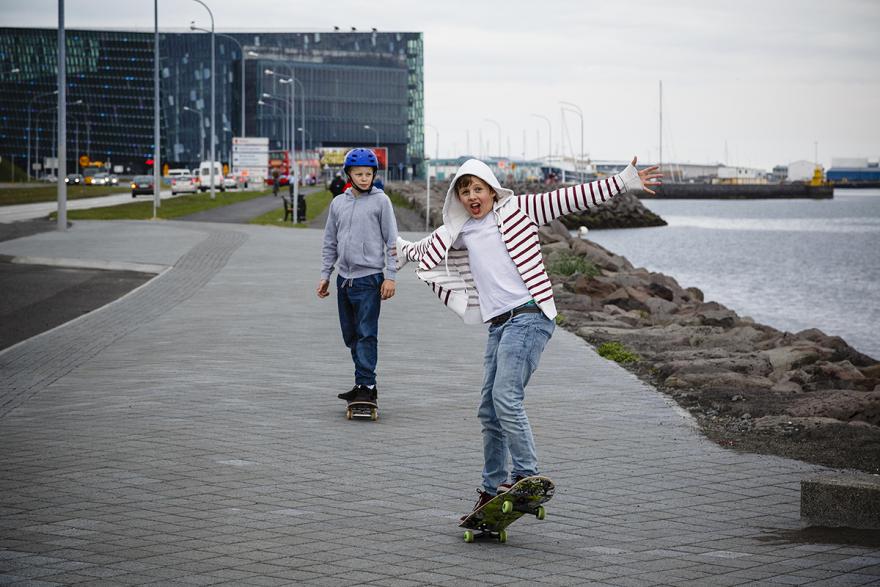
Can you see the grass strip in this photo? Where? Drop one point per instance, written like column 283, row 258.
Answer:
column 171, row 207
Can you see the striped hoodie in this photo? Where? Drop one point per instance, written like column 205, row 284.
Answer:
column 447, row 271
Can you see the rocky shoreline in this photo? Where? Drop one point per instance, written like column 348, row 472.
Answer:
column 749, row 386
column 803, row 395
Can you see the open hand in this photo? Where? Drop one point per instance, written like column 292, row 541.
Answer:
column 650, row 176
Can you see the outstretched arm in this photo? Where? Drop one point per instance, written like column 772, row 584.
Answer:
column 432, row 246
column 543, row 208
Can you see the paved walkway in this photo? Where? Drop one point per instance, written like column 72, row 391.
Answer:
column 189, row 433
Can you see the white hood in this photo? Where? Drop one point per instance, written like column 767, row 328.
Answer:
column 454, row 212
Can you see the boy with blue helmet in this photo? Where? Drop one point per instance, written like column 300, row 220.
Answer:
column 360, row 236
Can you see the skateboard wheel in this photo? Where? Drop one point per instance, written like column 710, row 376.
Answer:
column 468, row 536
column 374, row 414
column 348, row 414
column 506, row 507
column 502, row 534
column 541, row 513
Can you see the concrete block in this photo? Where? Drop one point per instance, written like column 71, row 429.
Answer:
column 841, row 500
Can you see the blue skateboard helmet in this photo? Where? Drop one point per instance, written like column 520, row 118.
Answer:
column 360, row 158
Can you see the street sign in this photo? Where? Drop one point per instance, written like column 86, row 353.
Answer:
column 250, row 156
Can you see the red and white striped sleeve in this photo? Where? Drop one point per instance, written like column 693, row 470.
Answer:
column 542, row 208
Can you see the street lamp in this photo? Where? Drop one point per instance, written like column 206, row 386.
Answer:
column 62, row 119
column 30, row 109
column 193, row 27
column 311, row 142
column 202, row 129
column 213, row 98
column 285, row 116
column 157, row 152
column 575, row 109
column 368, row 127
column 428, row 177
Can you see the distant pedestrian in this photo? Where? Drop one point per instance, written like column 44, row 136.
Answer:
column 275, row 181
column 360, row 236
column 337, row 186
column 485, row 264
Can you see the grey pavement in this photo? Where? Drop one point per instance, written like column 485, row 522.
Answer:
column 189, row 434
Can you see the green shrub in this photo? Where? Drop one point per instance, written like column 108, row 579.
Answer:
column 614, row 351
column 569, row 264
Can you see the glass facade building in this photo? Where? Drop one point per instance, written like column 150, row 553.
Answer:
column 344, row 82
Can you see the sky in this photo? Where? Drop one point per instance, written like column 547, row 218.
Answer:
column 745, row 82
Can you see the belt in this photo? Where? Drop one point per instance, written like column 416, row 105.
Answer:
column 527, row 308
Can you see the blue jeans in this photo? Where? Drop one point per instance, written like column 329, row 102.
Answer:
column 512, row 354
column 359, row 302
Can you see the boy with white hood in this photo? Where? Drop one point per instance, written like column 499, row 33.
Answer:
column 485, row 265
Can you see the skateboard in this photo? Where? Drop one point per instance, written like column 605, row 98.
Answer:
column 492, row 520
column 362, row 409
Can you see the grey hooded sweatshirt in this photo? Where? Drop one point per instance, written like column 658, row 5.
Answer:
column 361, row 234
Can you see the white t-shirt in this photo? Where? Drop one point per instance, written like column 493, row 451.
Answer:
column 499, row 284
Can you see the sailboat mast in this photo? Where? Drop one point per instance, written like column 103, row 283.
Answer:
column 660, row 162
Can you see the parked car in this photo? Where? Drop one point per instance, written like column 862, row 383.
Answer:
column 181, row 184
column 142, row 185
column 230, row 183
column 74, row 179
column 114, row 179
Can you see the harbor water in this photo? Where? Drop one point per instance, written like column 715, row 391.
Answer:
column 791, row 264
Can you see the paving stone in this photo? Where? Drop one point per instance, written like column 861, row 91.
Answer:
column 190, row 434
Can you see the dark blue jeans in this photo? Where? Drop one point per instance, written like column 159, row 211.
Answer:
column 359, row 303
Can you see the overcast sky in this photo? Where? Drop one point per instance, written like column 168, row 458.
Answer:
column 760, row 81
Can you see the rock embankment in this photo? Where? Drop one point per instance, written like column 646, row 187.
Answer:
column 624, row 211
column 806, row 395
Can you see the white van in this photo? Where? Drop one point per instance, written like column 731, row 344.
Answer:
column 205, row 176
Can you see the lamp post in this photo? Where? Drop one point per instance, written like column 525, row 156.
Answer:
column 157, row 153
column 549, row 136
column 277, row 109
column 311, row 142
column 285, row 129
column 213, row 98
column 428, row 176
column 368, row 127
column 30, row 109
column 201, row 128
column 302, row 112
column 575, row 109
column 62, row 119
column 193, row 27
column 495, row 122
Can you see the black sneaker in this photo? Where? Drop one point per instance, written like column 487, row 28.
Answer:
column 365, row 394
column 351, row 394
column 484, row 498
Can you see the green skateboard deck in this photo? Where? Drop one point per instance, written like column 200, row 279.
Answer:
column 492, row 520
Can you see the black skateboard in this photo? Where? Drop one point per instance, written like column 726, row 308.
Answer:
column 362, row 409
column 492, row 520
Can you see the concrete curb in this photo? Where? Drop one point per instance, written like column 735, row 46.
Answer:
column 89, row 264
